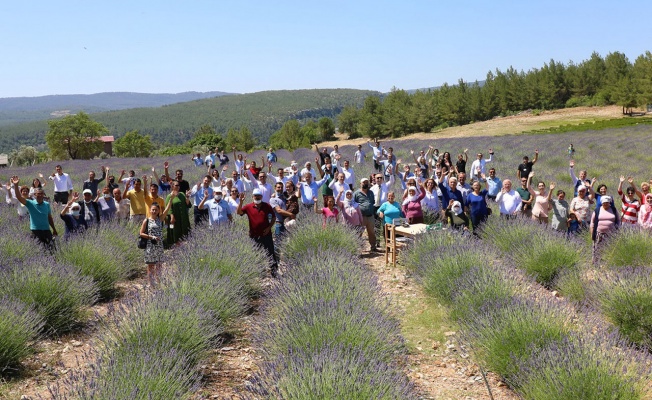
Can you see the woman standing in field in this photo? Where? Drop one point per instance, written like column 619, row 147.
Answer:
column 178, row 204
column 603, row 221
column 559, row 213
column 631, row 205
column 351, row 214
column 645, row 213
column 541, row 200
column 330, row 213
column 476, row 202
column 580, row 206
column 391, row 209
column 412, row 205
column 152, row 230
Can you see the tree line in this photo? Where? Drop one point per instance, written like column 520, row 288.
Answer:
column 597, row 81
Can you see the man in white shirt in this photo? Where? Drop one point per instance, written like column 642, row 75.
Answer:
column 508, row 200
column 308, row 168
column 462, row 186
column 261, row 184
column 210, row 159
column 379, row 152
column 122, row 205
column 480, row 162
column 238, row 160
column 381, row 188
column 349, row 174
column 62, row 185
column 360, row 156
column 335, row 153
column 197, row 195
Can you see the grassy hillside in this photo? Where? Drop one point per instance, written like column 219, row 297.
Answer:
column 16, row 110
column 263, row 113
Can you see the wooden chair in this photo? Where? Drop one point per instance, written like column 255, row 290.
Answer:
column 392, row 246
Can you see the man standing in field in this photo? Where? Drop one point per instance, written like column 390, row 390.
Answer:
column 40, row 215
column 525, row 167
column 366, row 199
column 91, row 183
column 360, row 156
column 62, row 185
column 261, row 221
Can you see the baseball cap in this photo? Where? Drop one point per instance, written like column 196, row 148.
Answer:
column 257, row 192
column 87, row 191
column 364, row 180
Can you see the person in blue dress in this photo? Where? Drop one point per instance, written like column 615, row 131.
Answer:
column 476, row 203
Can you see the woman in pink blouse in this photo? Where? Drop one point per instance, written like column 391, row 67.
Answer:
column 412, row 205
column 349, row 208
column 330, row 213
column 645, row 213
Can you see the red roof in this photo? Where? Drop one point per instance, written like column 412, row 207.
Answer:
column 107, row 139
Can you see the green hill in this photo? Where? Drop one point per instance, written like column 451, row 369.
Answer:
column 263, row 113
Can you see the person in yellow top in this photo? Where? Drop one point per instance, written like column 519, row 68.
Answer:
column 136, row 197
column 153, row 197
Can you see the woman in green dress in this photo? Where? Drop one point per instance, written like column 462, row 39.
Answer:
column 179, row 221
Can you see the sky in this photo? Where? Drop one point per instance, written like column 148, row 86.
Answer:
column 83, row 47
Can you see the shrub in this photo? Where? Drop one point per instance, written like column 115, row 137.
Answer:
column 439, row 272
column 60, row 294
column 478, row 286
column 229, row 250
column 628, row 247
column 132, row 371
column 331, row 373
column 625, row 298
column 121, row 238
column 577, row 368
column 92, row 259
column 427, row 245
column 570, row 284
column 506, row 334
column 309, row 235
column 508, row 235
column 221, row 296
column 545, row 257
column 164, row 321
column 19, row 327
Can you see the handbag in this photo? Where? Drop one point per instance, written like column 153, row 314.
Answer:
column 142, row 243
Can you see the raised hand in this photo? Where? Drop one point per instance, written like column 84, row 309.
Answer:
column 536, row 151
column 243, row 195
column 75, row 196
column 572, row 163
column 123, row 172
column 205, row 193
column 166, row 164
column 553, row 185
column 630, row 180
column 225, row 167
column 153, row 169
column 622, row 178
column 531, row 174
column 40, row 175
column 15, row 180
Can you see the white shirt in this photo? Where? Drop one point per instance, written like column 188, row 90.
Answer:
column 359, row 156
column 337, row 187
column 509, row 202
column 239, row 165
column 479, row 164
column 123, row 208
column 349, row 175
column 266, row 189
column 431, row 201
column 378, row 151
column 62, row 183
column 380, row 191
column 233, row 203
column 312, row 172
column 218, row 211
column 333, row 154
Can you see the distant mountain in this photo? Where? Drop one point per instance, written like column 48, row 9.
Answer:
column 263, row 113
column 412, row 91
column 24, row 109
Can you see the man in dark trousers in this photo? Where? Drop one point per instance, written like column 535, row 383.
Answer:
column 261, row 221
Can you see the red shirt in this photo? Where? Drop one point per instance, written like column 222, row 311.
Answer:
column 259, row 218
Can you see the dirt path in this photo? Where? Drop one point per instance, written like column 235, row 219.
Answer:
column 438, row 365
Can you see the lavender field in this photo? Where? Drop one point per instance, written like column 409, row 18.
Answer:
column 529, row 302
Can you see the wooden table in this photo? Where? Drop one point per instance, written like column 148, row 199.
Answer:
column 412, row 231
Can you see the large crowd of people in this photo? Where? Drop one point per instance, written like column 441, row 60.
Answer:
column 432, row 188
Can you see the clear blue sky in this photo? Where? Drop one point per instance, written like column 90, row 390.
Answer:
column 70, row 47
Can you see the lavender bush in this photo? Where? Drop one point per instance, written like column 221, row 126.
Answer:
column 224, row 298
column 132, row 371
column 630, row 246
column 19, row 328
column 91, row 259
column 506, row 334
column 598, row 367
column 309, row 234
column 229, row 250
column 60, row 294
column 331, row 373
column 625, row 298
column 478, row 286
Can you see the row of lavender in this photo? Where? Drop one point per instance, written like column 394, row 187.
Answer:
column 326, row 331
column 152, row 345
column 536, row 343
column 46, row 294
column 619, row 285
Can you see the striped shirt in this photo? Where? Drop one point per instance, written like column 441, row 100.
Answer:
column 629, row 210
